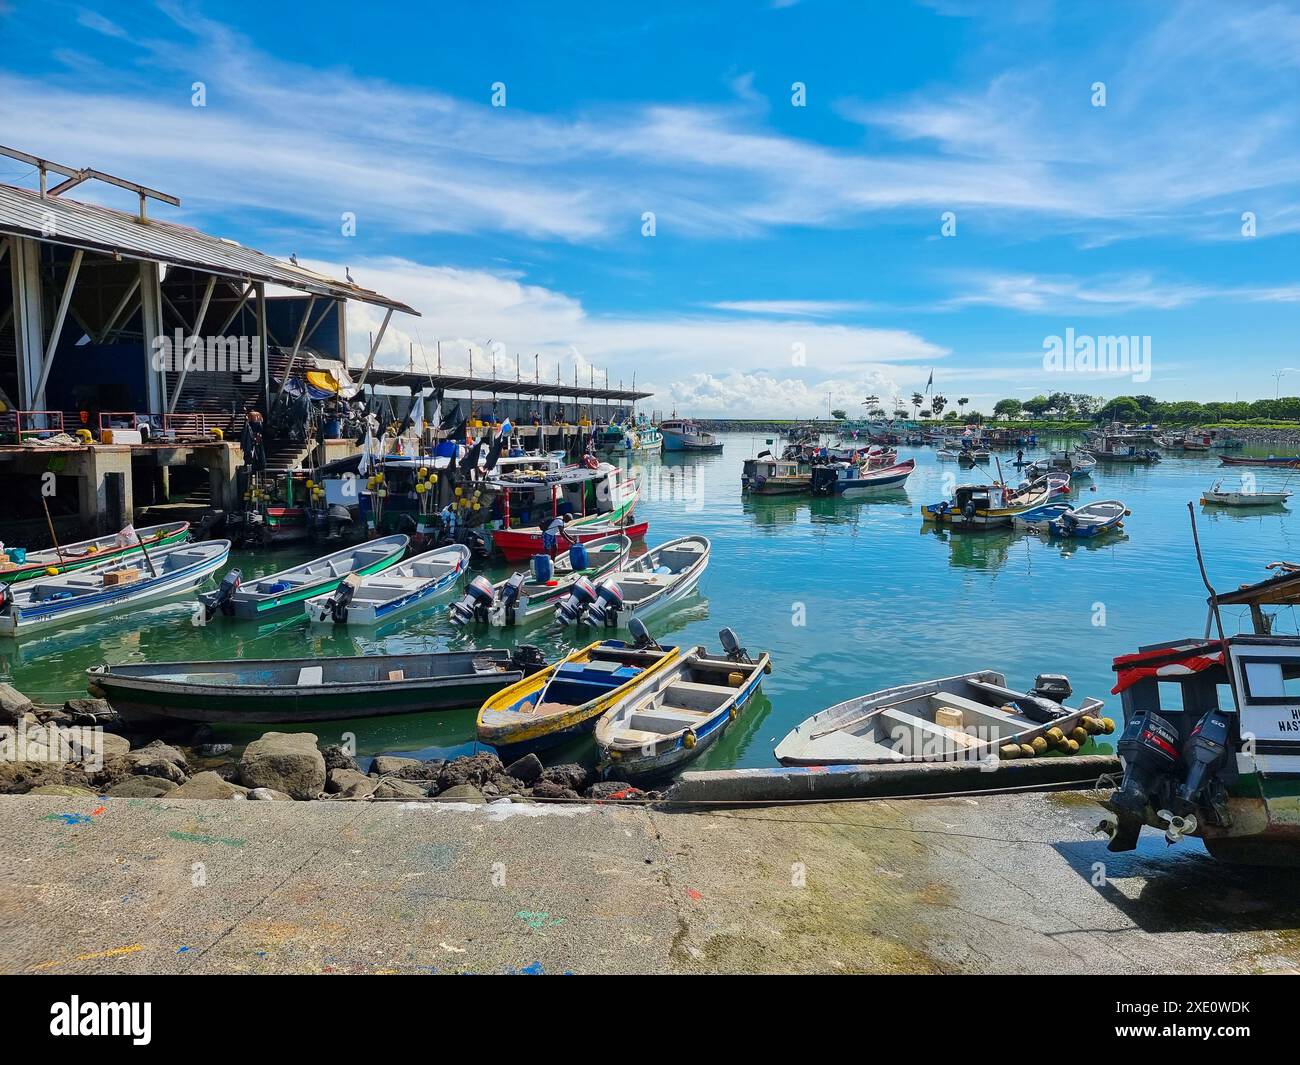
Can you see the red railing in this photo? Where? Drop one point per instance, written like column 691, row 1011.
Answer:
column 17, row 425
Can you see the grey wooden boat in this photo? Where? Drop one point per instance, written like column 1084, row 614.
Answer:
column 308, row 689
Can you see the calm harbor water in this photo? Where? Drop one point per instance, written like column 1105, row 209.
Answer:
column 848, row 596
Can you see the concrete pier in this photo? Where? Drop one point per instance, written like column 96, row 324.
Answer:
column 999, row 883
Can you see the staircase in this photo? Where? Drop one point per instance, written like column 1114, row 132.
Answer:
column 286, row 457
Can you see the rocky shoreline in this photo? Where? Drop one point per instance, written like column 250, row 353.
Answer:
column 69, row 751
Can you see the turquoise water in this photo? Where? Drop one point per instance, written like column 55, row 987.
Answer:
column 848, row 596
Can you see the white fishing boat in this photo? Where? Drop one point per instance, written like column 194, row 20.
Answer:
column 681, row 434
column 391, row 593
column 968, row 717
column 290, row 587
column 1219, row 497
column 87, row 595
column 530, row 596
column 655, row 581
column 678, row 712
column 1040, row 518
column 100, row 551
column 1092, row 519
column 849, row 480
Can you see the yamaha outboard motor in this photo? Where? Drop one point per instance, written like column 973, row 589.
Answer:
column 823, row 479
column 609, row 601
column 1207, row 753
column 570, row 608
column 641, row 638
column 510, row 595
column 222, row 596
column 475, row 603
column 1149, row 748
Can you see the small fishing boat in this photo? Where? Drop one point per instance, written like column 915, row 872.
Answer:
column 1219, row 497
column 969, row 717
column 531, row 596
column 104, row 592
column 1076, row 463
column 1040, row 518
column 655, row 581
column 528, row 543
column 849, row 480
column 308, row 689
column 1290, row 462
column 564, row 700
column 24, row 565
column 766, row 476
column 681, row 434
column 393, row 592
column 268, row 595
column 1056, row 482
column 592, row 503
column 1091, row 519
column 677, row 713
column 983, row 506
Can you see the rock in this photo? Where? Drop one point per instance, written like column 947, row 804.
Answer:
column 462, row 793
column 338, row 758
column 154, row 764
column 69, row 790
column 269, row 795
column 114, row 745
column 141, row 788
column 215, row 750
column 476, row 769
column 392, row 788
column 89, row 711
column 208, row 785
column 227, row 771
column 549, row 789
column 503, row 784
column 613, row 789
column 18, row 778
column 349, row 783
column 286, row 761
column 51, row 715
column 88, row 743
column 570, row 775
column 14, row 705
column 389, row 765
column 527, row 769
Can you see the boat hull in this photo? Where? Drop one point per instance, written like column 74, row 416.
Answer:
column 520, row 544
column 154, row 537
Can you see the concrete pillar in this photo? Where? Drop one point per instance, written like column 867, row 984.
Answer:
column 151, row 316
column 97, row 469
column 29, row 324
column 223, row 476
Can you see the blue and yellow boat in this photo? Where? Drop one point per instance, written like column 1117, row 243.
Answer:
column 566, row 699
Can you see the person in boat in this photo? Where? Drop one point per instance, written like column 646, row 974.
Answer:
column 1020, row 456
column 252, row 443
column 551, row 534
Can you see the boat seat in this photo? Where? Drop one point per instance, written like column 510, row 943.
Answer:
column 951, row 738
column 665, row 719
column 697, row 698
column 184, row 557
column 974, row 713
column 311, row 675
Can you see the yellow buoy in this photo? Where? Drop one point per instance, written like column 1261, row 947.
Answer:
column 1010, row 750
column 1027, row 750
column 1054, row 735
column 1107, row 725
column 1038, row 744
column 688, row 740
column 1072, row 746
column 1079, row 735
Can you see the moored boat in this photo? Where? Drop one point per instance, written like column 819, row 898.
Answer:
column 265, row 596
column 678, row 712
column 1040, row 518
column 968, row 717
column 766, row 476
column 681, row 434
column 983, row 506
column 1290, row 462
column 528, row 597
column 564, row 700
column 849, row 480
column 390, row 593
column 1091, row 519
column 1218, row 497
column 308, row 689
column 650, row 583
column 98, row 551
column 583, row 510
column 89, row 594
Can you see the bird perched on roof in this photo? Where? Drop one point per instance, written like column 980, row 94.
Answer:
column 293, row 258
column 347, row 272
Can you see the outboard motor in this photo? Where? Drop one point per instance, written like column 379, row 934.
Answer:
column 1149, row 748
column 1054, row 686
column 1206, row 753
column 731, row 645
column 609, row 601
column 641, row 638
column 477, row 544
column 529, row 658
column 475, row 603
column 221, row 598
column 337, row 604
column 570, row 608
column 823, row 479
column 510, row 595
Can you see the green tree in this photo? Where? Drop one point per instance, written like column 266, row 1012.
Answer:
column 1036, row 406
column 1007, row 408
column 937, row 403
column 839, row 415
column 1121, row 409
column 917, row 400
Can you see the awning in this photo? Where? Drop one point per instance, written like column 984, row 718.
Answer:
column 1180, row 661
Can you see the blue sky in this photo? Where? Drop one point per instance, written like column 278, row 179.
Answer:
column 797, row 251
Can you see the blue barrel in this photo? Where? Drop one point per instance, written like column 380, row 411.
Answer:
column 578, row 556
column 543, row 570
column 333, row 429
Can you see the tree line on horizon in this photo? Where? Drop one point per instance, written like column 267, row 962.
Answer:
column 1078, row 406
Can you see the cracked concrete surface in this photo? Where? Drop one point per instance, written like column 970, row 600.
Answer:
column 998, row 883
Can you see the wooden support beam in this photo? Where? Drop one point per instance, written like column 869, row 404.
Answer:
column 57, row 329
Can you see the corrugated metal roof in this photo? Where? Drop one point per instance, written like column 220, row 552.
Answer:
column 500, row 385
column 57, row 220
